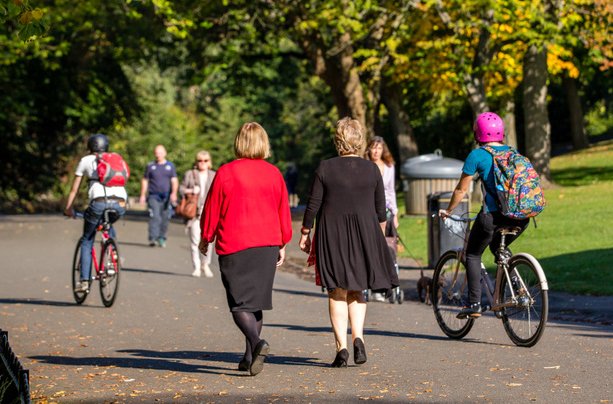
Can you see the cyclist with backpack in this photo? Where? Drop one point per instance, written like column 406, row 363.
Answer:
column 489, row 135
column 103, row 194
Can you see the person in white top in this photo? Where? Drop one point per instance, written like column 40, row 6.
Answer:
column 100, row 198
column 198, row 181
column 378, row 152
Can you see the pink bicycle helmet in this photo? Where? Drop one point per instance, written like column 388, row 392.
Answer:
column 489, row 128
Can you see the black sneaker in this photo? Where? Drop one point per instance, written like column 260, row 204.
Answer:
column 474, row 311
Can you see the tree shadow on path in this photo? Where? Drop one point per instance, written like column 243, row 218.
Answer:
column 367, row 331
column 174, row 361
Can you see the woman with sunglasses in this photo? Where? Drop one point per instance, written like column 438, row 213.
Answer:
column 198, row 181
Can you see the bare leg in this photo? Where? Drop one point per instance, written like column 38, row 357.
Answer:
column 357, row 313
column 337, row 304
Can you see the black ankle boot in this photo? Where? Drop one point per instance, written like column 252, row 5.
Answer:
column 359, row 351
column 341, row 359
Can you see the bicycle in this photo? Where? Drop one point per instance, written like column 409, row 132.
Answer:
column 107, row 269
column 518, row 296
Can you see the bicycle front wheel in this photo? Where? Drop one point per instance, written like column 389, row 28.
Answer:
column 524, row 320
column 79, row 297
column 449, row 293
column 109, row 273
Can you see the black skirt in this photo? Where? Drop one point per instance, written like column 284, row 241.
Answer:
column 248, row 276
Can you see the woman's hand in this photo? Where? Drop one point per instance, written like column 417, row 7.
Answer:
column 203, row 247
column 281, row 256
column 305, row 243
column 396, row 224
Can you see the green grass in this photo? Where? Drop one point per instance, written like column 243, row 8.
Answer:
column 574, row 238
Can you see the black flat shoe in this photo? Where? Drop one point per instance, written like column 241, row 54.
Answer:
column 244, row 365
column 259, row 355
column 359, row 351
column 341, row 359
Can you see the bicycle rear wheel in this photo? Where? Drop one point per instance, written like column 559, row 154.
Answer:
column 524, row 322
column 79, row 297
column 449, row 293
column 109, row 273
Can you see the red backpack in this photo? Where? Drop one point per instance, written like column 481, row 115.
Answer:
column 112, row 170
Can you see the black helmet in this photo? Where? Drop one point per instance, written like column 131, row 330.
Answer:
column 98, row 143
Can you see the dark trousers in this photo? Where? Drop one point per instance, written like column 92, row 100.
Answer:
column 483, row 233
column 159, row 216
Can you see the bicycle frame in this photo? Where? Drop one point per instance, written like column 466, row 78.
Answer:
column 502, row 269
column 105, row 236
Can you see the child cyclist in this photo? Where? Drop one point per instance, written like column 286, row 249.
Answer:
column 488, row 131
column 100, row 198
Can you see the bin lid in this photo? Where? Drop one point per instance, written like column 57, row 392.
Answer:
column 437, row 155
column 443, row 167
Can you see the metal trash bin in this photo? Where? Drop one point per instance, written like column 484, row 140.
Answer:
column 440, row 239
column 427, row 174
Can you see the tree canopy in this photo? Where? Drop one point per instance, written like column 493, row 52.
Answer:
column 188, row 74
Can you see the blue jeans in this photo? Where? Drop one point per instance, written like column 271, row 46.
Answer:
column 91, row 219
column 159, row 213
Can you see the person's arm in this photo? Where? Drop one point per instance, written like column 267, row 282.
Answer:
column 188, row 185
column 390, row 190
column 144, row 186
column 68, row 211
column 458, row 194
column 209, row 220
column 380, row 201
column 174, row 187
column 313, row 205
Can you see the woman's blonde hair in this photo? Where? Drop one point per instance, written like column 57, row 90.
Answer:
column 252, row 142
column 349, row 137
column 203, row 154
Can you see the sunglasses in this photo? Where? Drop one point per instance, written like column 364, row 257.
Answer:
column 203, row 161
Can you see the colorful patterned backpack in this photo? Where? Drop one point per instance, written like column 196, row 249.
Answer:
column 518, row 187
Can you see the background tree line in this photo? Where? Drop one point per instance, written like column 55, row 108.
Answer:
column 187, row 74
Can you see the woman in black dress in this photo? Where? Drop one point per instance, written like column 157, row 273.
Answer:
column 348, row 200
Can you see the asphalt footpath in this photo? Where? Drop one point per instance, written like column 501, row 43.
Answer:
column 170, row 338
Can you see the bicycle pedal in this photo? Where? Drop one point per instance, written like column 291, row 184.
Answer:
column 498, row 314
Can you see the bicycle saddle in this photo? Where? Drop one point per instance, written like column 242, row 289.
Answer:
column 512, row 230
column 110, row 215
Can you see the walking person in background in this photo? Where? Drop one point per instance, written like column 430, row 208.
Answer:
column 488, row 131
column 378, row 152
column 159, row 188
column 348, row 200
column 291, row 181
column 247, row 214
column 100, row 198
column 198, row 181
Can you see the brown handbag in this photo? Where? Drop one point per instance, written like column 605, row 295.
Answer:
column 188, row 207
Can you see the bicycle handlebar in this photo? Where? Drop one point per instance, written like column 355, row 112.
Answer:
column 457, row 218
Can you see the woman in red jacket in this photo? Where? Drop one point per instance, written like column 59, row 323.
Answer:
column 247, row 214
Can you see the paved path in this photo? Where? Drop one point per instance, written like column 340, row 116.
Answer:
column 169, row 337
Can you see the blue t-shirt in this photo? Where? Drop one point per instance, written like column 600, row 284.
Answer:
column 480, row 161
column 159, row 176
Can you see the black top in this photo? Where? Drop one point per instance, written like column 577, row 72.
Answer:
column 348, row 200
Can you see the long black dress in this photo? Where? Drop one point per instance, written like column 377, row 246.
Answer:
column 348, row 200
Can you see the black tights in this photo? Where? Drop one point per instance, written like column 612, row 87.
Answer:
column 250, row 325
column 482, row 234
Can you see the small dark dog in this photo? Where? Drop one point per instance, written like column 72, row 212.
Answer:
column 423, row 288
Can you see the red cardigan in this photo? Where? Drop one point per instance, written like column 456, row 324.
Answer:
column 246, row 207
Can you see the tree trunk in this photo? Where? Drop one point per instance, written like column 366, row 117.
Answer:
column 575, row 114
column 536, row 118
column 399, row 121
column 510, row 131
column 341, row 74
column 475, row 91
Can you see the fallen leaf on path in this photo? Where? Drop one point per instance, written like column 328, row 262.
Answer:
column 513, row 384
column 552, row 367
